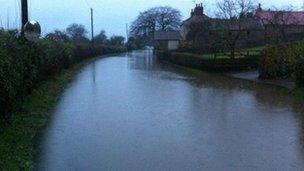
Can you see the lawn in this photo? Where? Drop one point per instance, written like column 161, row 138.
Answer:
column 239, row 54
column 298, row 93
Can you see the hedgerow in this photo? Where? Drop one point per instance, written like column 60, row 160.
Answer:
column 299, row 72
column 279, row 61
column 24, row 64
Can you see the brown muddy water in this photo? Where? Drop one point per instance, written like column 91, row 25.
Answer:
column 131, row 112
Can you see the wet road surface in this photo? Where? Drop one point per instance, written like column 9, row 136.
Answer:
column 131, row 112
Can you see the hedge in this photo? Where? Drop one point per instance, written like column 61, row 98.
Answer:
column 24, row 64
column 197, row 61
column 299, row 72
column 279, row 61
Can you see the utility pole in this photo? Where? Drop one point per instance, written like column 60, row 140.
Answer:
column 92, row 26
column 127, row 31
column 24, row 14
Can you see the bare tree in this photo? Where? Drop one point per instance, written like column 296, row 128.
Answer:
column 245, row 8
column 155, row 19
column 231, row 9
column 167, row 18
column 235, row 14
column 226, row 9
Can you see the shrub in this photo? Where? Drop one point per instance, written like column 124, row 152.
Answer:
column 299, row 72
column 278, row 61
column 197, row 61
column 24, row 64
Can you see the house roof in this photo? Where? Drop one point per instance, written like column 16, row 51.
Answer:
column 196, row 18
column 281, row 17
column 230, row 24
column 197, row 15
column 167, row 35
column 245, row 24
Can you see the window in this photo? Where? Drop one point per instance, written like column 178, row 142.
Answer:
column 173, row 44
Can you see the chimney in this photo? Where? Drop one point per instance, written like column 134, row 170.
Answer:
column 260, row 7
column 192, row 13
column 199, row 9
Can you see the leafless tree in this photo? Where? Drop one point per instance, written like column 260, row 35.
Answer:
column 231, row 9
column 245, row 8
column 226, row 9
column 234, row 14
column 155, row 19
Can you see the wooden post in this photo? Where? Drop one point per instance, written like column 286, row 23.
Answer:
column 24, row 14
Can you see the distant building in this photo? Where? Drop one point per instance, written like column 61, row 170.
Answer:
column 281, row 24
column 288, row 18
column 201, row 31
column 264, row 27
column 197, row 16
column 167, row 40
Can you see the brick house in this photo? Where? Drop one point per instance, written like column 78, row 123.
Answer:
column 202, row 31
column 281, row 25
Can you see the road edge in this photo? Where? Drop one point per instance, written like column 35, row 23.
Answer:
column 17, row 141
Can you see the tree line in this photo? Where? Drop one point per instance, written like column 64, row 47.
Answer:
column 78, row 34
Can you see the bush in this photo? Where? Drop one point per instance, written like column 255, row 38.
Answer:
column 24, row 64
column 197, row 61
column 279, row 61
column 299, row 72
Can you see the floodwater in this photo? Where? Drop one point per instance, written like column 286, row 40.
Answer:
column 131, row 112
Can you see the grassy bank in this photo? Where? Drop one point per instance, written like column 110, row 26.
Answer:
column 17, row 140
column 196, row 61
column 298, row 94
column 238, row 54
column 255, row 51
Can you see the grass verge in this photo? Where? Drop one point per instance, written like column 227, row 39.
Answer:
column 238, row 54
column 298, row 93
column 17, row 139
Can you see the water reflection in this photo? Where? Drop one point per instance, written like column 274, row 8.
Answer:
column 142, row 61
column 132, row 112
column 94, row 72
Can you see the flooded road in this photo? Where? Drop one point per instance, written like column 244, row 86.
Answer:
column 130, row 112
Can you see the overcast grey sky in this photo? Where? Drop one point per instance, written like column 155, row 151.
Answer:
column 110, row 15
